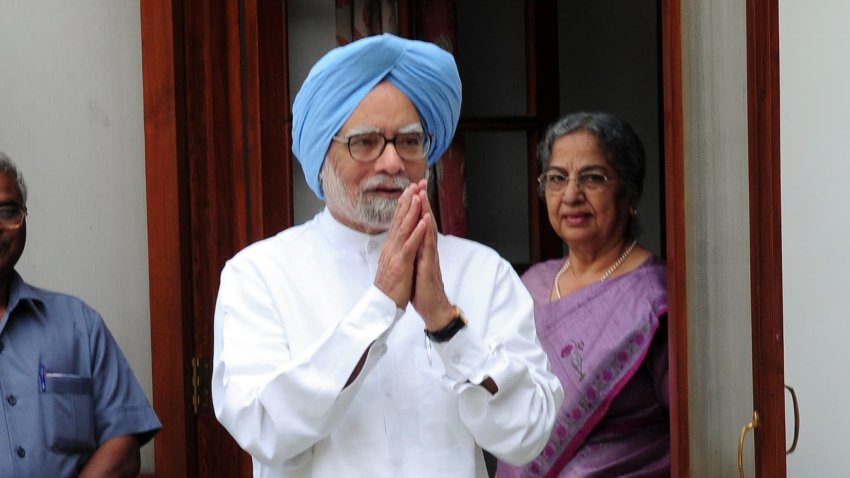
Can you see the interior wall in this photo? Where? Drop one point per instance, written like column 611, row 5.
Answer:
column 714, row 80
column 71, row 118
column 815, row 166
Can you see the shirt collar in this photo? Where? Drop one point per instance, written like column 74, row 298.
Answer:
column 344, row 237
column 20, row 291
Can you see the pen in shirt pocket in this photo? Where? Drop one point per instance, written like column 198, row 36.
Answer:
column 41, row 383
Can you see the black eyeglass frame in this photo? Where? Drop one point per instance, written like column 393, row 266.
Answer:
column 427, row 143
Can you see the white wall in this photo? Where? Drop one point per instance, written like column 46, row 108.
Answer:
column 815, row 150
column 71, row 118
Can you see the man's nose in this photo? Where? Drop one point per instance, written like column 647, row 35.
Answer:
column 389, row 161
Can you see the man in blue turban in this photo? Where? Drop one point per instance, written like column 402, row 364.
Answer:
column 363, row 342
column 424, row 72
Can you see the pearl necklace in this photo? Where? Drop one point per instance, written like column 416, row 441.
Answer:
column 607, row 273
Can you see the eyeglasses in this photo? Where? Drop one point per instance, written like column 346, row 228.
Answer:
column 555, row 183
column 12, row 216
column 369, row 146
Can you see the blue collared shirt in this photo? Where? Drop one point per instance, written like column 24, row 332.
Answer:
column 65, row 385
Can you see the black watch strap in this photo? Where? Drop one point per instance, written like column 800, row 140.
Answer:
column 446, row 333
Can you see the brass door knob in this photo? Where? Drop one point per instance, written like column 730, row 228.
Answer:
column 749, row 426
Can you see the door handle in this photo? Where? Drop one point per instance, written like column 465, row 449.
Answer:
column 796, row 420
column 754, row 423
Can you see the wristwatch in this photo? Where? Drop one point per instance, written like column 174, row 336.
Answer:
column 446, row 333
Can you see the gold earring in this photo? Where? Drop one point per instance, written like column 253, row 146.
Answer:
column 633, row 211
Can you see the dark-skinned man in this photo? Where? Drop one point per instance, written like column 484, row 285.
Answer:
column 71, row 405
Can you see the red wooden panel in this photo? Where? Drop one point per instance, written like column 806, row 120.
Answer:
column 674, row 191
column 275, row 159
column 169, row 277
column 216, row 131
column 217, row 134
column 766, row 235
column 543, row 105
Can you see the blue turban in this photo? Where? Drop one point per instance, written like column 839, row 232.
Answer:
column 340, row 80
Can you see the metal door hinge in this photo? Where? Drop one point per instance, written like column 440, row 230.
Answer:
column 201, row 377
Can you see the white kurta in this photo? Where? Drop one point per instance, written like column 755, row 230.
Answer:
column 296, row 312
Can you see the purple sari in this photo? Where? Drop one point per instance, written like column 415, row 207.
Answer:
column 602, row 344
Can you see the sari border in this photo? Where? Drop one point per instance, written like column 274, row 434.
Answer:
column 584, row 431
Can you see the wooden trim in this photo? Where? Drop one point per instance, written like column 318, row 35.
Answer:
column 505, row 123
column 213, row 185
column 275, row 120
column 252, row 136
column 674, row 191
column 536, row 211
column 542, row 107
column 169, row 277
column 406, row 18
column 766, row 235
column 216, row 191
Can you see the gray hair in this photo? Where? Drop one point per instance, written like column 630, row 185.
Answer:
column 618, row 140
column 7, row 166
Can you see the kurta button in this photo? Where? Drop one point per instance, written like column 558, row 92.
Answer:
column 12, row 400
column 21, row 452
column 456, row 359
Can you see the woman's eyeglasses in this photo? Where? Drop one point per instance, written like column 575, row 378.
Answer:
column 553, row 182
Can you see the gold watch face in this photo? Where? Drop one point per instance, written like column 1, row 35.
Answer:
column 457, row 313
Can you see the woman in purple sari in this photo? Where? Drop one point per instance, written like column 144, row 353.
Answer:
column 601, row 312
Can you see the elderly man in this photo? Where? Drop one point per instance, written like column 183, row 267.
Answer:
column 71, row 405
column 364, row 343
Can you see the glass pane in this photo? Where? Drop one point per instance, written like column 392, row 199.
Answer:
column 311, row 35
column 497, row 199
column 491, row 57
column 305, row 204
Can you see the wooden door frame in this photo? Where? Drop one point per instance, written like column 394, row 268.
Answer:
column 670, row 21
column 218, row 176
column 766, row 235
column 168, row 261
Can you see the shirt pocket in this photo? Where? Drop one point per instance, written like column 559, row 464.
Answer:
column 67, row 405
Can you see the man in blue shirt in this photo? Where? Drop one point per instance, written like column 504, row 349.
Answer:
column 70, row 405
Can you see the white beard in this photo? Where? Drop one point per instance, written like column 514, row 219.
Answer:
column 374, row 212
